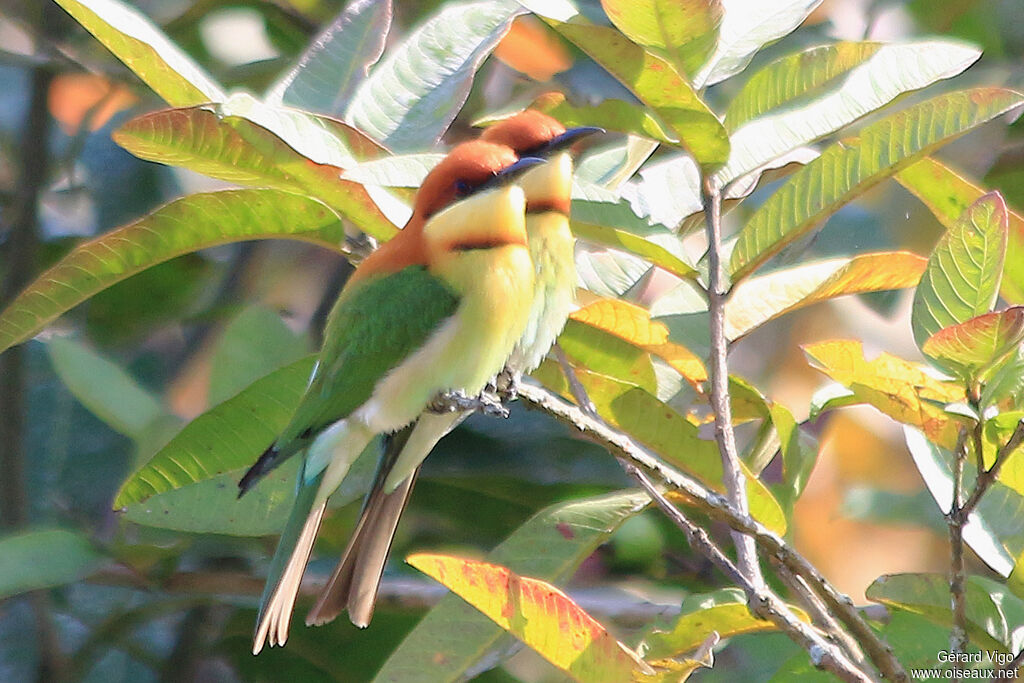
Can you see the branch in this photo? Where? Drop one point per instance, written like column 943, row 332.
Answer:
column 956, row 521
column 760, row 599
column 732, row 474
column 988, row 477
column 715, row 506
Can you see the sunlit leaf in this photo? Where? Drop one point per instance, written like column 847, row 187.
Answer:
column 654, row 81
column 755, row 301
column 928, row 595
column 611, row 114
column 662, row 429
column 539, row 614
column 847, row 169
column 608, row 354
column 893, row 70
column 948, row 193
column 685, row 32
column 453, row 637
column 634, row 325
column 411, row 97
column 185, row 225
column 236, row 149
column 42, row 558
column 978, row 343
column 963, row 273
column 104, row 387
column 793, row 76
column 164, row 67
column 897, row 388
column 336, row 62
column 400, row 170
column 749, row 25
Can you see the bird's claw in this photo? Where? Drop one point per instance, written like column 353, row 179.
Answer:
column 457, row 401
column 506, row 385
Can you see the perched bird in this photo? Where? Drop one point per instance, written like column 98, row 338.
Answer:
column 438, row 308
column 548, row 188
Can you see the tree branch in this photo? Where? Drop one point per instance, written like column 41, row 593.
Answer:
column 732, row 474
column 988, row 477
column 956, row 521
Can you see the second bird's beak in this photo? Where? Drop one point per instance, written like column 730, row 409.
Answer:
column 567, row 139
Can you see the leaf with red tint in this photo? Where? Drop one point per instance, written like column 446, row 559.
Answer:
column 971, row 347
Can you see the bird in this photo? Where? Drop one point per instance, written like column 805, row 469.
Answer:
column 548, row 187
column 438, row 308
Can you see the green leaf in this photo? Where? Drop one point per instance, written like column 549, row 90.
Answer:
column 847, row 169
column 254, row 342
column 683, row 31
column 226, row 438
column 413, row 95
column 961, row 280
column 102, row 386
column 400, row 170
column 749, row 25
column 611, row 114
column 890, row 72
column 44, row 558
column 599, row 351
column 236, row 149
column 797, row 75
column 336, row 62
column 948, row 193
column 185, row 225
column 144, row 49
column 454, row 637
column 666, row 432
column 928, row 595
column 977, row 344
column 650, row 78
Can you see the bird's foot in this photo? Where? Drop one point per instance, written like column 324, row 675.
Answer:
column 506, row 385
column 457, row 401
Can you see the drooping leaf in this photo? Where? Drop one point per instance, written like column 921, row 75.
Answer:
column 185, row 225
column 104, row 387
column 336, row 62
column 755, row 301
column 897, row 388
column 963, row 273
column 928, row 595
column 890, row 72
column 144, row 49
column 979, row 343
column 453, row 637
column 633, row 324
column 794, row 76
column 539, row 614
column 42, row 558
column 411, row 97
column 611, row 114
column 650, row 78
column 607, row 354
column 684, row 32
column 948, row 193
column 399, row 170
column 234, row 148
column 847, row 169
column 749, row 25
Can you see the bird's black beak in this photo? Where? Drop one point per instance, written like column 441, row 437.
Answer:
column 509, row 173
column 567, row 139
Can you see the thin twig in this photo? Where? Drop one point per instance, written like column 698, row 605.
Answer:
column 715, row 506
column 579, row 393
column 989, row 476
column 732, row 474
column 1002, row 672
column 956, row 520
column 761, row 600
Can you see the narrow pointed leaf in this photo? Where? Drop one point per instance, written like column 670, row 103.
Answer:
column 238, row 150
column 794, row 76
column 749, row 25
column 890, row 72
column 650, row 78
column 413, row 95
column 540, row 615
column 183, row 226
column 847, row 169
column 453, row 637
column 43, row 558
column 144, row 49
column 685, row 32
column 611, row 114
column 978, row 343
column 948, row 193
column 897, row 388
column 337, row 61
column 963, row 273
column 755, row 301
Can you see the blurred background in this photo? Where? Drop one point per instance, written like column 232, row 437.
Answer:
column 87, row 403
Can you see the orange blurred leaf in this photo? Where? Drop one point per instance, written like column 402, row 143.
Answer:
column 896, row 387
column 758, row 300
column 978, row 343
column 532, row 49
column 86, row 99
column 633, row 324
column 540, row 615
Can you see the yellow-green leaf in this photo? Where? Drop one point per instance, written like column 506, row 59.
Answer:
column 979, row 343
column 684, row 31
